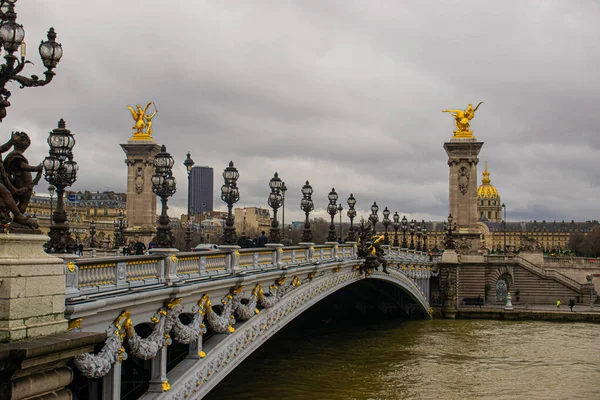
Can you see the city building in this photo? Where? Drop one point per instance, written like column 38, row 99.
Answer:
column 252, row 220
column 495, row 235
column 201, row 190
column 82, row 208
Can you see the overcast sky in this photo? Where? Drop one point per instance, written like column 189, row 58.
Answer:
column 346, row 94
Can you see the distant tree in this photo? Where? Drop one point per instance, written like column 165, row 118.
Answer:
column 575, row 243
column 591, row 243
column 319, row 227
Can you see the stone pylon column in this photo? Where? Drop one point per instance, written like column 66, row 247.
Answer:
column 141, row 201
column 462, row 160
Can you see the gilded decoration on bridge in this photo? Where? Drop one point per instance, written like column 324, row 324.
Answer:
column 142, row 129
column 166, row 321
column 462, row 120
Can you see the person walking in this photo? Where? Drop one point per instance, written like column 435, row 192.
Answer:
column 262, row 239
column 558, row 304
column 571, row 304
column 139, row 247
column 80, row 249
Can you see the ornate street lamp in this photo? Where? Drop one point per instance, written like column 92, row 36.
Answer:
column 275, row 199
column 404, row 229
column 351, row 214
column 424, row 232
column 230, row 195
column 373, row 218
column 396, row 226
column 60, row 171
column 164, row 186
column 332, row 210
column 419, row 233
column 386, row 224
column 449, row 228
column 411, row 230
column 189, row 164
column 340, row 208
column 283, row 190
column 11, row 38
column 120, row 224
column 307, row 205
column 92, row 235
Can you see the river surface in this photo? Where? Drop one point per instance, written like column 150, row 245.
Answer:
column 429, row 359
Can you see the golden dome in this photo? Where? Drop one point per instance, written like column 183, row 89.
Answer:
column 486, row 190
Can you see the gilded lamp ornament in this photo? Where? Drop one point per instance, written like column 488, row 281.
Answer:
column 462, row 119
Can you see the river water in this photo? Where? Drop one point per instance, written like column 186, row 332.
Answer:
column 427, row 359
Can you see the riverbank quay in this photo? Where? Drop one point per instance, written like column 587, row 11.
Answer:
column 528, row 313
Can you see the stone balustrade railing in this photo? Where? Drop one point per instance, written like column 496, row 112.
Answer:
column 572, row 260
column 93, row 276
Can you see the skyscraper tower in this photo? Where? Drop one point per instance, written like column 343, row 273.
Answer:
column 201, row 189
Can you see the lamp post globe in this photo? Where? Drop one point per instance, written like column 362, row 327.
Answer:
column 189, row 164
column 307, row 205
column 386, row 224
column 332, row 210
column 340, row 208
column 12, row 35
column 396, row 225
column 424, row 246
column 274, row 200
column 404, row 227
column 230, row 194
column 351, row 214
column 283, row 190
column 92, row 235
column 164, row 186
column 373, row 218
column 418, row 233
column 60, row 171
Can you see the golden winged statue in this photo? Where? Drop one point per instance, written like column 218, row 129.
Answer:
column 143, row 121
column 462, row 119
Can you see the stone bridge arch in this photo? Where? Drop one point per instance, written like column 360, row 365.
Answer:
column 194, row 380
column 232, row 341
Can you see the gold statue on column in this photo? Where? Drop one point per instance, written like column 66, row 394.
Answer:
column 142, row 129
column 462, row 119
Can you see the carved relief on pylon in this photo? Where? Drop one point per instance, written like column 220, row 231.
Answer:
column 463, row 179
column 139, row 180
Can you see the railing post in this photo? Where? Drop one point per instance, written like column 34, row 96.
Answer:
column 353, row 251
column 158, row 371
column 232, row 262
column 277, row 253
column 202, row 265
column 72, row 279
column 309, row 248
column 111, row 383
column 169, row 264
column 195, row 349
column 121, row 274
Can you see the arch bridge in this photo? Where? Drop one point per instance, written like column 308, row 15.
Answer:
column 178, row 323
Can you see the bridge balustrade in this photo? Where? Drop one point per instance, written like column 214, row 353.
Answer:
column 314, row 271
column 86, row 276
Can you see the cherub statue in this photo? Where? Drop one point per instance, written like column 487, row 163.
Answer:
column 462, row 120
column 142, row 120
column 16, row 183
column 148, row 118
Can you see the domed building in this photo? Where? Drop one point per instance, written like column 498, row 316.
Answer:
column 489, row 206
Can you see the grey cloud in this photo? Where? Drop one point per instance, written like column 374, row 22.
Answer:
column 343, row 93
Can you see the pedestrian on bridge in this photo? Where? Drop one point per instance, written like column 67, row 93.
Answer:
column 262, row 239
column 558, row 304
column 571, row 304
